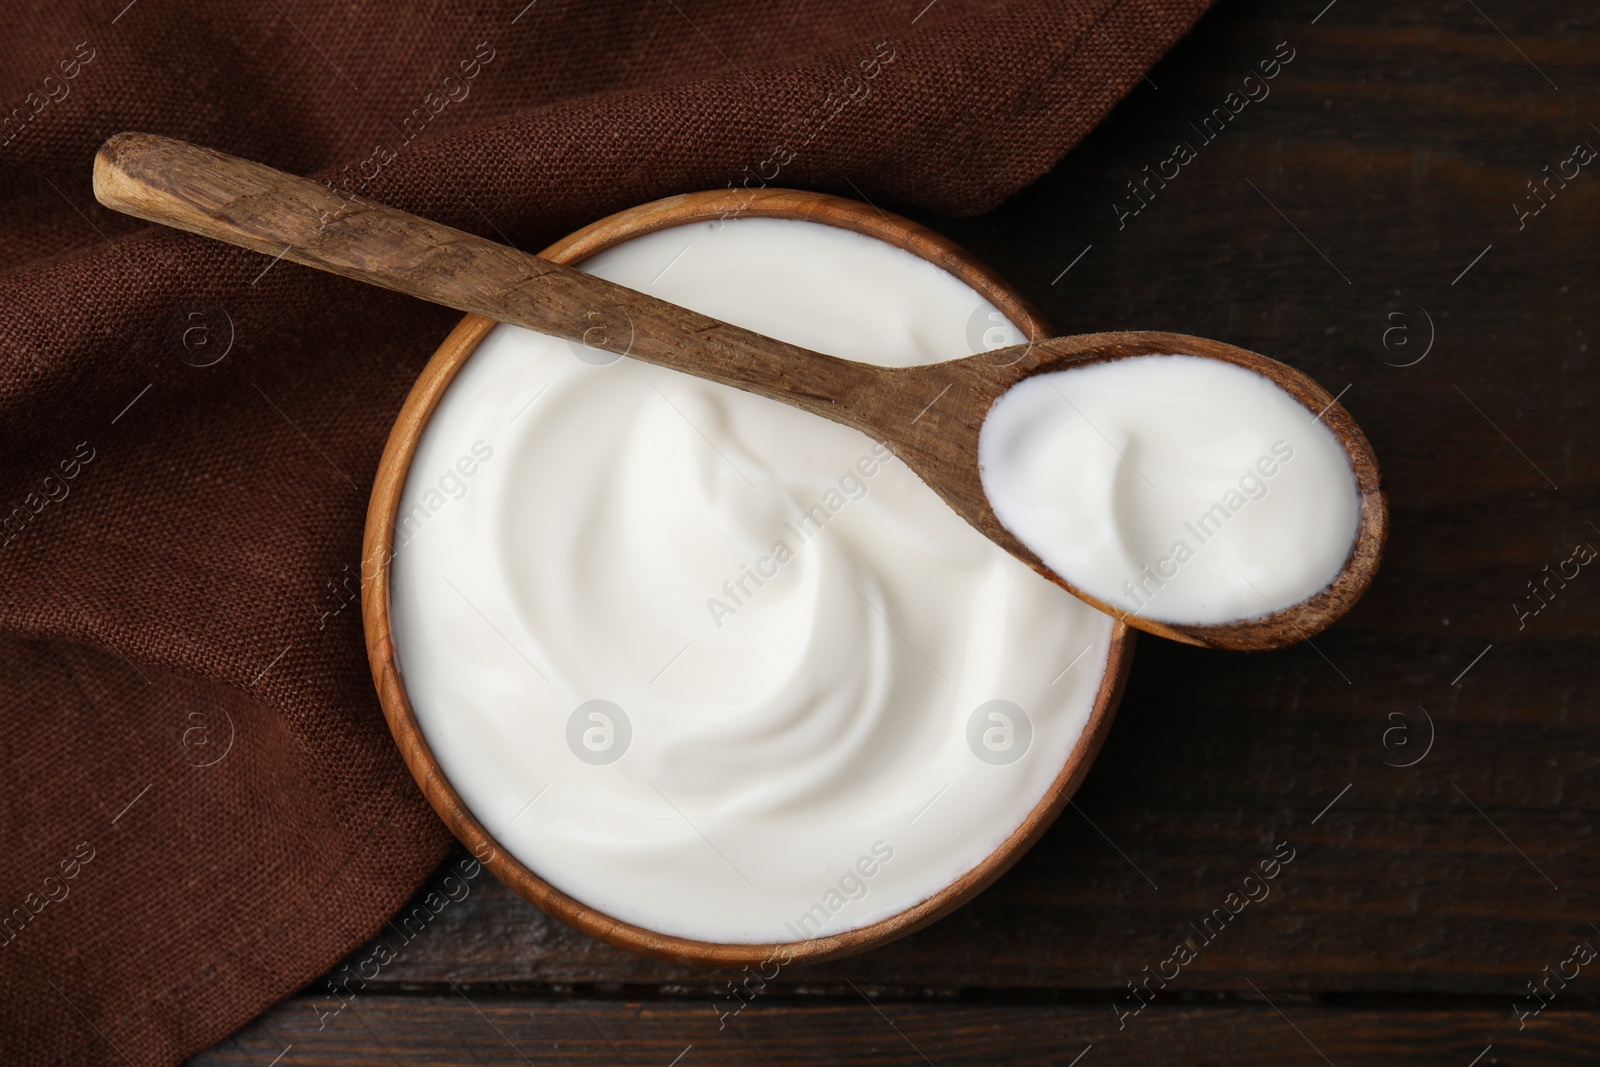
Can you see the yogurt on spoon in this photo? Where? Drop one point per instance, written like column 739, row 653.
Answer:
column 1178, row 488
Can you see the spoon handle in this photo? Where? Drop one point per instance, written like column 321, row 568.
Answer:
column 239, row 202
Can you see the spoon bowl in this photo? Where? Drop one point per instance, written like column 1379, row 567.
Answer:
column 930, row 416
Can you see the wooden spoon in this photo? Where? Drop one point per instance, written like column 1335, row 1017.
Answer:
column 929, row 416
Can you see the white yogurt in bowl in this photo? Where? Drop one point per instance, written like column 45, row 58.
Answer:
column 710, row 665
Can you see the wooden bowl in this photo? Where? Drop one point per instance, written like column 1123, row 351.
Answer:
column 377, row 554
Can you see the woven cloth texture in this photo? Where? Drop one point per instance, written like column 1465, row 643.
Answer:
column 202, row 807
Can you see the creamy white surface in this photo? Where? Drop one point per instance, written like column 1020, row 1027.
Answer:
column 1182, row 489
column 828, row 713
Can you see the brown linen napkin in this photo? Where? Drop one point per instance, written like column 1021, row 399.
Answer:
column 202, row 808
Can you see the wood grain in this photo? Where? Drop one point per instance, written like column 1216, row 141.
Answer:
column 454, row 1027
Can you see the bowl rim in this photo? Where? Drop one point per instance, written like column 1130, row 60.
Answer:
column 377, row 556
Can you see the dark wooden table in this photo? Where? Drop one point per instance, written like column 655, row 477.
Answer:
column 1431, row 760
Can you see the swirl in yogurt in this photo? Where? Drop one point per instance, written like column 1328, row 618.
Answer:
column 712, row 665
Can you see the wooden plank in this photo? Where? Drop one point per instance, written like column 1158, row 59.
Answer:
column 472, row 1027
